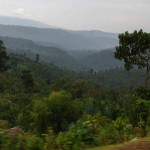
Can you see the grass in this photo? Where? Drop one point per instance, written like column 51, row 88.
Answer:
column 115, row 147
column 110, row 147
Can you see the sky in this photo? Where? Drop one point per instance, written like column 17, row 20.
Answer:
column 106, row 15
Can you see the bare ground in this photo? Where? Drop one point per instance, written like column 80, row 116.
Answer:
column 140, row 145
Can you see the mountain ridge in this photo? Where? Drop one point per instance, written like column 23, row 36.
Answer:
column 6, row 20
column 51, row 55
column 65, row 39
column 48, row 35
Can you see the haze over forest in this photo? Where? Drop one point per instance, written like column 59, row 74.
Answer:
column 64, row 48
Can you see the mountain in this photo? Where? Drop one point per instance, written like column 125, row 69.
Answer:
column 96, row 33
column 64, row 48
column 82, row 54
column 30, row 49
column 65, row 39
column 5, row 20
column 97, row 60
column 102, row 60
column 74, row 60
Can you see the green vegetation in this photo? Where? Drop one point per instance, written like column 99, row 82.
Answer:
column 43, row 107
column 3, row 57
column 134, row 49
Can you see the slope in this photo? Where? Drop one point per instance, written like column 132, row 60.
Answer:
column 52, row 55
column 102, row 60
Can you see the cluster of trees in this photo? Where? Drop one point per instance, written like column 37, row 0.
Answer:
column 46, row 108
column 134, row 50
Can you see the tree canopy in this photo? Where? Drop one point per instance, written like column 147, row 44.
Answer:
column 3, row 57
column 134, row 50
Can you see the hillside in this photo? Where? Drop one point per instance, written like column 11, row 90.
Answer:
column 82, row 54
column 63, row 48
column 74, row 60
column 85, row 109
column 50, row 55
column 6, row 20
column 116, row 78
column 102, row 60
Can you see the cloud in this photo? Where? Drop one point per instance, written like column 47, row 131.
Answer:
column 18, row 11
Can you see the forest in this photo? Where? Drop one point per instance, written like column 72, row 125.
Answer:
column 44, row 107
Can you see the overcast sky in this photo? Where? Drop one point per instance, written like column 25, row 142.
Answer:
column 106, row 15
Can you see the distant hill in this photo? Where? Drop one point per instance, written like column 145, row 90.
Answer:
column 74, row 60
column 98, row 60
column 64, row 48
column 5, row 20
column 65, row 39
column 96, row 33
column 102, row 60
column 82, row 54
column 51, row 55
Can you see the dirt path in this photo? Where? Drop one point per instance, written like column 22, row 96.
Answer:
column 140, row 145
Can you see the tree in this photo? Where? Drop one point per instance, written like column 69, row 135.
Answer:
column 37, row 58
column 27, row 80
column 143, row 111
column 57, row 111
column 61, row 110
column 134, row 50
column 3, row 57
column 78, row 88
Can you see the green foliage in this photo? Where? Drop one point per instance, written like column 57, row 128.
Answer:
column 40, row 116
column 89, row 131
column 78, row 136
column 134, row 49
column 143, row 93
column 109, row 135
column 27, row 80
column 3, row 83
column 3, row 57
column 50, row 140
column 78, row 88
column 57, row 111
column 3, row 139
column 91, row 106
column 143, row 112
column 61, row 109
column 33, row 143
column 20, row 142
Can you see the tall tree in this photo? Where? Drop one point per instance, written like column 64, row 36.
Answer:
column 134, row 50
column 3, row 58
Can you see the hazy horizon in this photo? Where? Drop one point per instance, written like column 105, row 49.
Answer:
column 105, row 15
